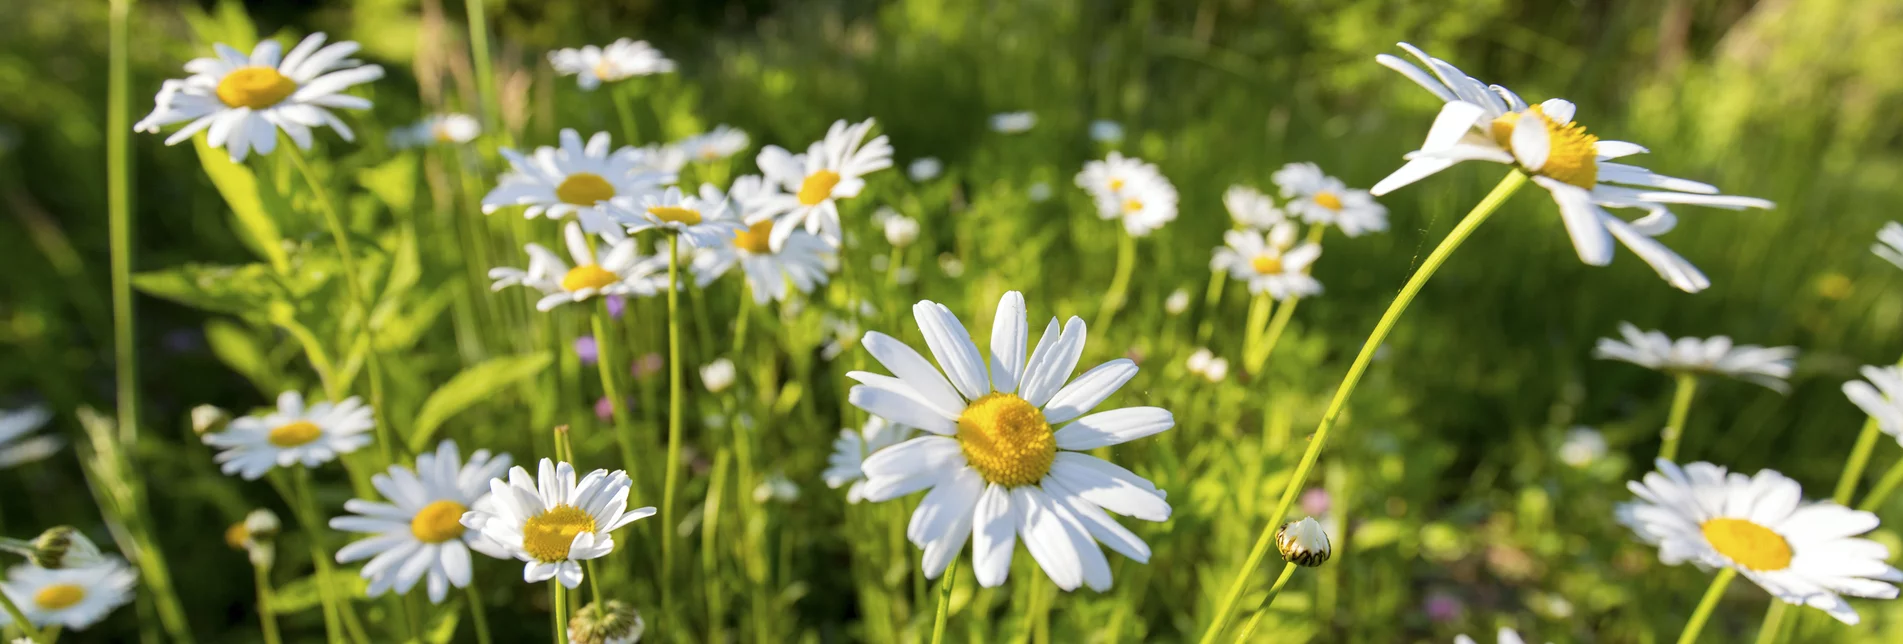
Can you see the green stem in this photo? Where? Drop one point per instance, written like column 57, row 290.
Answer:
column 1705, row 606
column 1859, row 459
column 558, row 611
column 1675, row 424
column 674, row 404
column 306, row 506
column 1891, row 478
column 1212, row 297
column 594, row 582
column 477, row 613
column 1120, row 282
column 19, row 619
column 1461, row 231
column 267, row 617
column 1267, row 600
column 1773, row 622
column 119, row 213
column 625, row 108
column 1273, row 336
column 485, row 75
column 609, row 366
column 1259, row 308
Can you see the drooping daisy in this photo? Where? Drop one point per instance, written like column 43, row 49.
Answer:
column 292, row 435
column 244, row 100
column 17, row 446
column 419, row 530
column 1269, row 262
column 1321, row 199
column 1889, row 244
column 722, row 142
column 1802, row 553
column 73, row 598
column 1013, row 122
column 800, row 261
column 438, row 129
column 1881, row 397
column 574, row 179
column 616, row 268
column 1505, row 636
column 1003, row 455
column 1766, row 366
column 1494, row 124
column 1252, row 209
column 851, row 449
column 552, row 522
column 808, row 186
column 624, row 58
column 701, row 222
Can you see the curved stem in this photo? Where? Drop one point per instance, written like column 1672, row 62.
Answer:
column 1119, row 283
column 944, row 601
column 485, row 77
column 1249, row 627
column 1705, row 606
column 1675, row 424
column 674, row 404
column 477, row 613
column 1461, row 231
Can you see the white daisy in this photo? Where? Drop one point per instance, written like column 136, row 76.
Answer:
column 438, row 129
column 574, row 179
column 1132, row 190
column 73, row 598
column 718, row 375
column 1105, row 180
column 419, row 531
column 551, row 521
column 924, row 169
column 800, row 262
column 1889, row 244
column 291, row 435
column 776, row 488
column 1251, row 208
column 1881, row 397
column 1321, row 199
column 665, row 157
column 851, row 449
column 1802, row 553
column 1766, row 366
column 1177, row 302
column 1106, row 131
column 901, row 231
column 617, row 268
column 625, row 58
column 722, row 142
column 1270, row 262
column 808, row 186
column 1582, row 446
column 1505, row 636
column 1005, row 450
column 1207, row 364
column 1013, row 122
column 702, row 221
column 1493, row 124
column 244, row 100
column 17, row 446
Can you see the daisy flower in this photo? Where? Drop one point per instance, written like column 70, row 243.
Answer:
column 552, row 522
column 439, row 129
column 845, row 466
column 292, row 435
column 73, row 598
column 244, row 100
column 1491, row 123
column 1013, row 122
column 574, row 179
column 625, row 58
column 1005, row 453
column 1505, row 636
column 419, row 532
column 17, row 446
column 1270, row 262
column 1881, row 397
column 1889, row 244
column 1105, row 180
column 800, row 261
column 1132, row 190
column 724, row 141
column 1802, row 553
column 1768, row 367
column 1252, row 209
column 703, row 221
column 1321, row 199
column 616, row 269
column 808, row 186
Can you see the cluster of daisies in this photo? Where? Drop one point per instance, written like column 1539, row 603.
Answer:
column 1268, row 252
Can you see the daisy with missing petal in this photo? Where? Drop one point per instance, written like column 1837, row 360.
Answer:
column 1269, row 262
column 1881, row 397
column 800, row 262
column 850, row 450
column 419, row 531
column 439, row 129
column 702, row 221
column 1766, row 366
column 17, row 446
column 72, row 598
column 292, row 435
column 724, row 141
column 1802, row 553
column 625, row 58
column 807, row 186
column 1321, row 199
column 244, row 100
column 1252, row 209
column 617, row 268
column 552, row 522
column 574, row 179
column 1493, row 124
column 1889, row 244
column 1005, row 450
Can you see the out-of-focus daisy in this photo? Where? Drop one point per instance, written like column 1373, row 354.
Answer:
column 439, row 129
column 574, row 179
column 1013, row 122
column 1177, row 302
column 1881, row 397
column 808, row 186
column 718, row 375
column 617, row 268
column 702, row 221
column 1766, row 366
column 1270, row 262
column 624, row 58
column 800, row 261
column 1321, row 199
column 242, row 101
column 1494, row 124
column 1505, row 636
column 1582, row 446
column 901, row 231
column 851, row 449
column 1251, row 208
column 1106, row 131
column 72, row 598
column 924, row 168
column 419, row 531
column 665, row 157
column 1208, row 365
column 1802, row 553
column 1105, row 180
column 1005, row 453
column 1889, row 244
column 776, row 488
column 1131, row 190
column 17, row 445
column 292, row 435
column 552, row 522
column 721, row 142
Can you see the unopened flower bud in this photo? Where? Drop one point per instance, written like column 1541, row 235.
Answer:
column 262, row 524
column 1303, row 543
column 209, row 419
column 64, row 547
column 610, row 622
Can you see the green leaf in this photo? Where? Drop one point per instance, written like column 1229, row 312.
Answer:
column 256, row 211
column 470, row 387
column 302, row 594
column 238, row 349
column 393, row 182
column 240, row 290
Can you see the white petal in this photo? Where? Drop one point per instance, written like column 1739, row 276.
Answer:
column 1089, row 390
column 1114, row 427
column 1009, row 333
column 993, row 536
column 952, row 346
column 1584, row 221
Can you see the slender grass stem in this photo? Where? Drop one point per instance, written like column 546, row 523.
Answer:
column 485, row 76
column 1461, row 231
column 674, row 405
column 1705, row 606
column 267, row 617
column 307, row 515
column 1885, row 487
column 478, row 614
column 1248, row 628
column 1212, row 296
column 594, row 582
column 1260, row 307
column 1120, row 282
column 1273, row 336
column 609, row 366
column 1675, row 424
column 624, row 106
column 119, row 224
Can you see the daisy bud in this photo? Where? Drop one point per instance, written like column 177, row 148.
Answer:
column 610, row 622
column 1177, row 303
column 1303, row 543
column 64, row 547
column 901, row 231
column 261, row 524
column 262, row 554
column 717, row 375
column 209, row 419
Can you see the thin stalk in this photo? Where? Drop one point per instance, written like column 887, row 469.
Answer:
column 558, row 612
column 594, row 582
column 1259, row 308
column 1273, row 335
column 625, row 108
column 1773, row 622
column 610, row 367
column 1675, row 424
column 1885, row 487
column 1212, row 296
column 119, row 224
column 307, row 515
column 1705, row 606
column 674, row 404
column 1120, row 282
column 19, row 619
column 267, row 618
column 477, row 613
column 1249, row 628
column 485, row 75
column 1461, row 231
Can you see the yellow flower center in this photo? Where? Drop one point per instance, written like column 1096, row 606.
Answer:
column 755, row 238
column 1571, row 157
column 1116, row 183
column 236, row 536
column 584, row 189
column 256, row 87
column 58, row 596
column 295, row 433
column 438, row 522
column 675, row 214
column 548, row 535
column 1328, row 200
column 1748, row 544
column 1132, row 205
column 1266, row 264
column 1006, row 440
column 818, row 187
column 587, row 276
column 442, row 133
column 605, row 70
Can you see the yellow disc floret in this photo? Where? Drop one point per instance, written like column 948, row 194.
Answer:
column 438, row 522
column 548, row 535
column 1266, row 264
column 675, row 214
column 755, row 239
column 1748, row 544
column 1328, row 200
column 584, row 189
column 1006, row 439
column 58, row 596
column 587, row 276
column 294, row 433
column 256, row 87
column 818, row 187
column 1572, row 155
